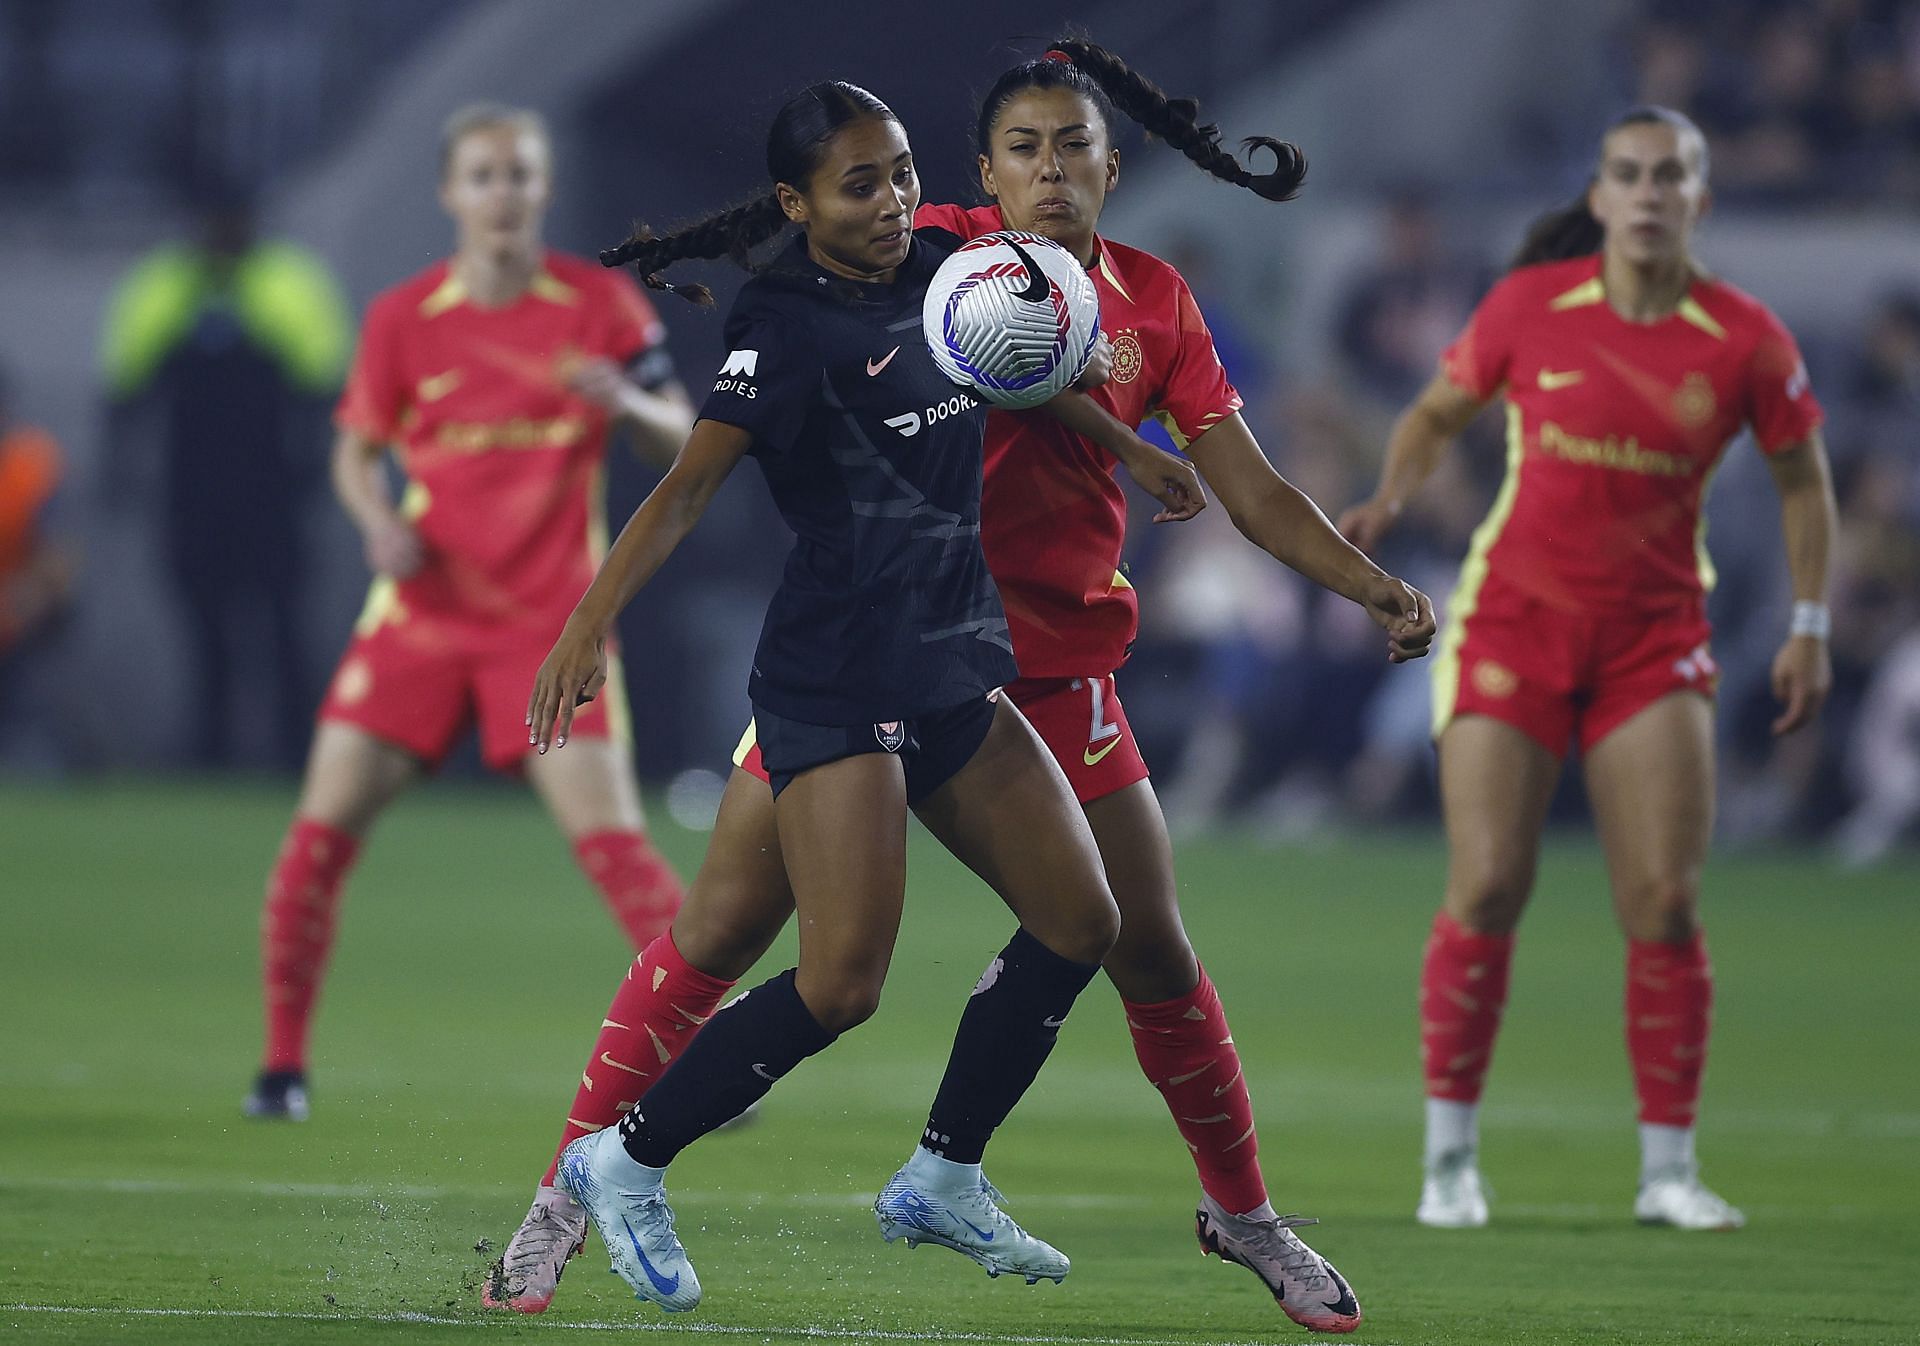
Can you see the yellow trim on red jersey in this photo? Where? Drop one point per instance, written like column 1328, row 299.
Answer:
column 1691, row 311
column 1590, row 291
column 449, row 293
column 1473, row 574
column 746, row 744
column 1113, row 277
column 1180, row 441
column 414, row 501
column 1702, row 559
column 545, row 285
column 383, row 605
column 1119, row 582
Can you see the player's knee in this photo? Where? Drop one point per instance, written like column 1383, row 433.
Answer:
column 1148, row 966
column 1092, row 935
column 723, row 936
column 1488, row 901
column 842, row 1003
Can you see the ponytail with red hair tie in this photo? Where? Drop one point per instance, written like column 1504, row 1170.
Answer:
column 1055, row 54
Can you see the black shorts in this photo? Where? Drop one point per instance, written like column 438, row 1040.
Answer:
column 932, row 747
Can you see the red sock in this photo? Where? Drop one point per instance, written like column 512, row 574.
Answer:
column 640, row 887
column 1669, row 1011
column 296, row 933
column 654, row 1015
column 1463, row 989
column 1186, row 1050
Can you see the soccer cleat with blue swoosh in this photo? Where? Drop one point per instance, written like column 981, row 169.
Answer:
column 628, row 1205
column 968, row 1220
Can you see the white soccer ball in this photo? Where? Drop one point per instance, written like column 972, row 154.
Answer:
column 1012, row 316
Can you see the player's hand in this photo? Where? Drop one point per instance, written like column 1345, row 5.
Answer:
column 1168, row 478
column 599, row 381
column 1802, row 677
column 1404, row 613
column 1099, row 366
column 1367, row 522
column 393, row 548
column 574, row 672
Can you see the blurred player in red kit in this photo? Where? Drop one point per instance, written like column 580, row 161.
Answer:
column 1580, row 623
column 1053, row 522
column 495, row 377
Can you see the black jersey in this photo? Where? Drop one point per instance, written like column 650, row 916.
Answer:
column 886, row 610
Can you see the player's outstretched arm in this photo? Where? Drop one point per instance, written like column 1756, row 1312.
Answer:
column 1279, row 518
column 1422, row 433
column 360, row 483
column 1803, row 670
column 576, row 667
column 658, row 419
column 1166, row 477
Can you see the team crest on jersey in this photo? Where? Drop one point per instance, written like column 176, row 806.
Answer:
column 891, row 734
column 1127, row 359
column 1693, row 401
column 1495, row 680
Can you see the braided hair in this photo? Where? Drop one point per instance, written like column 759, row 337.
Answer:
column 795, row 145
column 1110, row 84
column 1571, row 230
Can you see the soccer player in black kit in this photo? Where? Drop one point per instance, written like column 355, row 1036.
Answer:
column 870, row 690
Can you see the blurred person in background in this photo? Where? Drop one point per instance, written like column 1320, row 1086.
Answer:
column 35, row 571
column 218, row 355
column 1580, row 619
column 1399, row 314
column 495, row 377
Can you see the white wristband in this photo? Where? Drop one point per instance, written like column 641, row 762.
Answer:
column 1810, row 619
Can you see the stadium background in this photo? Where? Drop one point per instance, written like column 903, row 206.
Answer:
column 130, row 856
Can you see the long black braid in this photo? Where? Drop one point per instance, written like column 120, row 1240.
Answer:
column 1110, row 83
column 795, row 144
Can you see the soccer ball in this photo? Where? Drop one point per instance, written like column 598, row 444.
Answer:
column 1012, row 316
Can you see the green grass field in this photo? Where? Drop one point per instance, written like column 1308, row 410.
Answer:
column 136, row 1205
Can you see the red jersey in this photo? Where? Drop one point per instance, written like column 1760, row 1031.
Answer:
column 1052, row 516
column 1614, row 429
column 504, row 463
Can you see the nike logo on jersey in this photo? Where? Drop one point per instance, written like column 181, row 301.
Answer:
column 666, row 1285
column 875, row 366
column 760, row 1069
column 437, row 386
column 1061, row 1022
column 1092, row 758
column 1550, row 379
column 1036, row 289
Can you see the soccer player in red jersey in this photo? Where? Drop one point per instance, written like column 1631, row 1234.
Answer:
column 495, row 377
column 1053, row 522
column 1580, row 622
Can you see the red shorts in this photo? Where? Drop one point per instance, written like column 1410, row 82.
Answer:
column 1079, row 719
column 1565, row 678
column 418, row 684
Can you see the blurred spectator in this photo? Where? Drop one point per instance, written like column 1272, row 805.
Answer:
column 1397, row 317
column 35, row 574
column 220, row 356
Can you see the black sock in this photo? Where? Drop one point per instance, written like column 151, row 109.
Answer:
column 1008, row 1028
column 729, row 1067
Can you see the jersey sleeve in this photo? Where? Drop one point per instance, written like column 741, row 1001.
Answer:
column 1197, row 394
column 769, row 379
column 635, row 337
column 1780, row 402
column 1477, row 362
column 375, row 397
column 962, row 223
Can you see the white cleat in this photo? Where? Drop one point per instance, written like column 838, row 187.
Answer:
column 525, row 1276
column 1304, row 1283
column 628, row 1205
column 1678, row 1198
column 1452, row 1197
column 969, row 1221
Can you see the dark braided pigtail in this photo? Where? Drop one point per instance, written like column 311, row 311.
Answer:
column 1176, row 121
column 732, row 233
